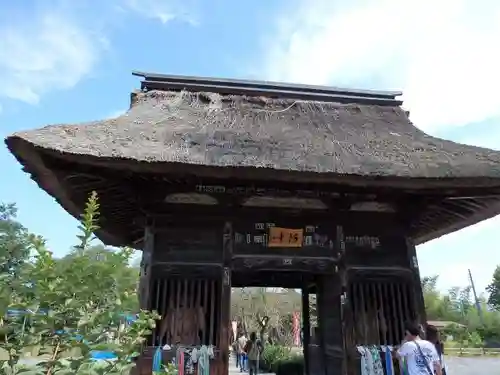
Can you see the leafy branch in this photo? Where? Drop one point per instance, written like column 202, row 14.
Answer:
column 63, row 310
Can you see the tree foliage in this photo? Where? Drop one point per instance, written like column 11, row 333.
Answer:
column 59, row 310
column 457, row 306
column 494, row 290
column 250, row 306
column 14, row 245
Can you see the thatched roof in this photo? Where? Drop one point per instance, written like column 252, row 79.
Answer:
column 257, row 132
column 266, row 132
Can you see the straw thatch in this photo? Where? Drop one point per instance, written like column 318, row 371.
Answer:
column 255, row 138
column 289, row 135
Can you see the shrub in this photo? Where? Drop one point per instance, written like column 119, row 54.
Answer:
column 293, row 365
column 272, row 355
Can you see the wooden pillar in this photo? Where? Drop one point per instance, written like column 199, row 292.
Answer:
column 346, row 318
column 146, row 268
column 418, row 295
column 330, row 323
column 306, row 327
column 224, row 321
column 330, row 295
column 145, row 361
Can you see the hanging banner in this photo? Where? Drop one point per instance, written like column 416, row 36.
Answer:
column 296, row 328
column 234, row 326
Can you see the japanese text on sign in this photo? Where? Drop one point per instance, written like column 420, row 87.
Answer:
column 285, row 237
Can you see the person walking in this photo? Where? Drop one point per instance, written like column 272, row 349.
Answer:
column 421, row 355
column 240, row 351
column 253, row 348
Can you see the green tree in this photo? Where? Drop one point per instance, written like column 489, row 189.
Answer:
column 14, row 252
column 68, row 307
column 14, row 243
column 107, row 270
column 494, row 290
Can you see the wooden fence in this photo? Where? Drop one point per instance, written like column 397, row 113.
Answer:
column 472, row 352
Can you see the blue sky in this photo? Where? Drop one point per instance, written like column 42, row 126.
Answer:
column 67, row 61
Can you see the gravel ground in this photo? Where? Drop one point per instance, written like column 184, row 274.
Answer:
column 456, row 366
column 472, row 366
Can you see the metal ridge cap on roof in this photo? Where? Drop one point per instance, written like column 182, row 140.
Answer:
column 257, row 91
column 267, row 85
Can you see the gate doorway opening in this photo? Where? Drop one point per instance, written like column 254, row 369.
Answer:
column 281, row 308
column 274, row 315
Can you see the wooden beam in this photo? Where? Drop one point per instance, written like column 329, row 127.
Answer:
column 303, row 264
column 225, row 311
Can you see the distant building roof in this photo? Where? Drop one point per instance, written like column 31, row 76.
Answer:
column 443, row 323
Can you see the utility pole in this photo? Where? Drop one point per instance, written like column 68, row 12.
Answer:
column 476, row 300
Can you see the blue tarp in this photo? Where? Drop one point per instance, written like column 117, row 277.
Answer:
column 101, row 355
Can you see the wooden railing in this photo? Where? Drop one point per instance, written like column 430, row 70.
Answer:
column 472, row 352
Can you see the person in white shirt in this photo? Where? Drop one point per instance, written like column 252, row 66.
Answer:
column 240, row 352
column 421, row 355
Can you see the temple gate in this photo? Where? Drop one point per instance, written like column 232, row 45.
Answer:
column 225, row 183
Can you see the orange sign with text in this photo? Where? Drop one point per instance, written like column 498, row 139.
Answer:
column 285, row 237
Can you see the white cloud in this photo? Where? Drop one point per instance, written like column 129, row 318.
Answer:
column 162, row 10
column 49, row 51
column 441, row 54
column 55, row 46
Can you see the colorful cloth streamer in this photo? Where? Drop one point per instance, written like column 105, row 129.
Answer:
column 157, row 359
column 389, row 369
column 376, row 361
column 204, row 361
column 180, row 363
column 404, row 367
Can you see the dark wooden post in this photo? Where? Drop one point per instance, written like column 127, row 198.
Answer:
column 346, row 317
column 418, row 296
column 227, row 253
column 146, row 267
column 145, row 361
column 330, row 323
column 329, row 300
column 306, row 327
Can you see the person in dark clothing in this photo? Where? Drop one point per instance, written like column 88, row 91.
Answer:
column 432, row 335
column 253, row 349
